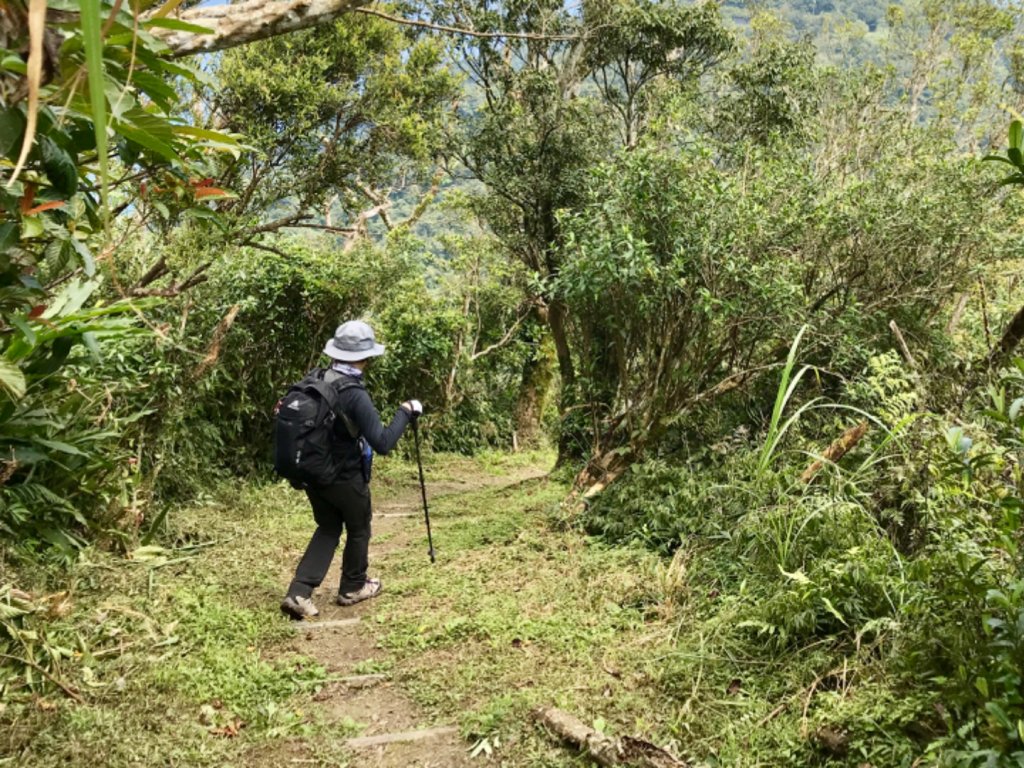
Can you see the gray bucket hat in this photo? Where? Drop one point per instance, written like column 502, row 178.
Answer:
column 353, row 341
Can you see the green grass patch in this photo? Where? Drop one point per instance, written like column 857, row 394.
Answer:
column 176, row 652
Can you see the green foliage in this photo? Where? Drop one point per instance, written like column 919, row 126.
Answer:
column 67, row 466
column 221, row 666
column 70, row 471
column 676, row 257
column 212, row 390
column 1014, row 154
column 907, row 547
column 341, row 117
column 776, row 91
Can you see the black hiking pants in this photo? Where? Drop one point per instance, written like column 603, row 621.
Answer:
column 344, row 505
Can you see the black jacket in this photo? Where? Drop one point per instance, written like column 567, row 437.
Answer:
column 355, row 403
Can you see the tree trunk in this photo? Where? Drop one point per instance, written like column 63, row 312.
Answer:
column 568, row 443
column 538, row 372
column 1012, row 337
column 556, row 321
column 246, row 22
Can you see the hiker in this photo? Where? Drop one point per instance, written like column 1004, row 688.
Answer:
column 345, row 503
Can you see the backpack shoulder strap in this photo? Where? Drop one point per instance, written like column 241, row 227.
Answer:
column 337, row 387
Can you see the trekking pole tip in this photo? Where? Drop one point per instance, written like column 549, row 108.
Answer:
column 431, row 553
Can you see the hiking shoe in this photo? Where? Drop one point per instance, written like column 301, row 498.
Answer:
column 370, row 588
column 299, row 608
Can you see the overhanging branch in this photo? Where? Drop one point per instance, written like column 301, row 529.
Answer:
column 460, row 30
column 245, row 22
column 236, row 24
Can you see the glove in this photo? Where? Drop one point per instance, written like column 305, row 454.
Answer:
column 414, row 407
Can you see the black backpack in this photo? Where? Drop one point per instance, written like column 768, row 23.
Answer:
column 303, row 426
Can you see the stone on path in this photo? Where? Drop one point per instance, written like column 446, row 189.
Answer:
column 394, row 738
column 363, row 681
column 303, row 626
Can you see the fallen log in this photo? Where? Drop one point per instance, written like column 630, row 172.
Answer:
column 604, row 750
column 839, row 448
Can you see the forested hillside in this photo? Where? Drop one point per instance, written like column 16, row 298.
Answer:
column 728, row 294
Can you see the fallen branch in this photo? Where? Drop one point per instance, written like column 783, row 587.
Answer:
column 70, row 692
column 839, row 448
column 605, row 750
column 904, row 349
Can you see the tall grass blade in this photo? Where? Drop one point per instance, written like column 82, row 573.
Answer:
column 787, row 385
column 34, row 74
column 92, row 40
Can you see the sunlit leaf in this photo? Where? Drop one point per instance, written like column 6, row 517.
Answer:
column 12, row 379
column 1016, row 134
column 177, row 25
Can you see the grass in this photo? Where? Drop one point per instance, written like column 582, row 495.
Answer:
column 518, row 614
column 176, row 652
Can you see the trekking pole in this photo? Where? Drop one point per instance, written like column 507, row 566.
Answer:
column 423, row 485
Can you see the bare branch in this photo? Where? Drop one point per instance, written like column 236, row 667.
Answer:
column 382, row 204
column 904, row 349
column 197, row 276
column 504, row 339
column 154, row 273
column 324, row 227
column 267, row 248
column 461, row 30
column 286, row 221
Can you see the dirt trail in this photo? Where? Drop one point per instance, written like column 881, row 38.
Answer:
column 376, row 701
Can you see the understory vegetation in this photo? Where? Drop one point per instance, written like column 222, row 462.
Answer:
column 755, row 302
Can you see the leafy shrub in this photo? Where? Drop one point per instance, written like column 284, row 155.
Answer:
column 666, row 506
column 68, row 470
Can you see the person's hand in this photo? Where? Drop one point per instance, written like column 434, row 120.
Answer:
column 413, row 407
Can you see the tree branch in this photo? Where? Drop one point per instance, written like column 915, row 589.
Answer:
column 276, row 224
column 504, row 339
column 236, row 24
column 461, row 30
column 154, row 273
column 325, row 227
column 1008, row 342
column 198, row 276
column 245, row 22
column 267, row 248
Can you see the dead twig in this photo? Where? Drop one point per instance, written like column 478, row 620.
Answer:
column 904, row 349
column 605, row 750
column 839, row 448
column 218, row 337
column 771, row 715
column 71, row 693
column 807, row 706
